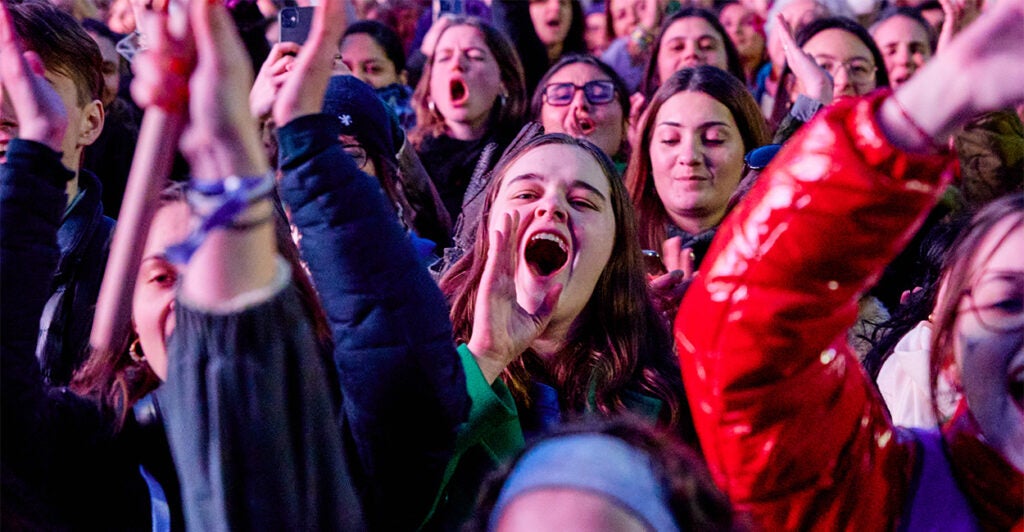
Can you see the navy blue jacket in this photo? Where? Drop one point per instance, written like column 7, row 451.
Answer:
column 84, row 240
column 63, row 465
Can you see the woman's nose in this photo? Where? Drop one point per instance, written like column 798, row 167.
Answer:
column 553, row 208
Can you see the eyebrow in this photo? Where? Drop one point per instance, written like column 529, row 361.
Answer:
column 834, row 58
column 712, row 123
column 531, row 176
column 699, row 37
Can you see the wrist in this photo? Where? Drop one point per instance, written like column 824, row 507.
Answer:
column 491, row 363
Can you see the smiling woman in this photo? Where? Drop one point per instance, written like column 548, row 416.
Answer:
column 689, row 162
column 553, row 307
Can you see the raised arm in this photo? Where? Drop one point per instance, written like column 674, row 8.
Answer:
column 247, row 402
column 788, row 421
column 404, row 389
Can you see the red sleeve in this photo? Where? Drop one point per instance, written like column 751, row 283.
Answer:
column 790, row 424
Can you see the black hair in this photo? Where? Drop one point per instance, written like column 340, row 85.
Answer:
column 383, row 36
column 841, row 23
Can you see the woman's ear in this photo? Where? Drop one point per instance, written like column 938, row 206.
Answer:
column 403, row 77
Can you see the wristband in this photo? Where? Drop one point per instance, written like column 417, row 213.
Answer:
column 218, row 204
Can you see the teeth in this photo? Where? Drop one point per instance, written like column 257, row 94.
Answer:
column 552, row 238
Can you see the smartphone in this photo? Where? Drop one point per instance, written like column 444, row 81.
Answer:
column 448, row 7
column 653, row 264
column 294, row 23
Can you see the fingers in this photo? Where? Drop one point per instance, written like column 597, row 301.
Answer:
column 666, row 282
column 670, row 250
column 303, row 92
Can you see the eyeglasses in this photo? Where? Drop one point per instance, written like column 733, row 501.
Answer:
column 357, row 152
column 597, row 92
column 858, row 70
column 997, row 301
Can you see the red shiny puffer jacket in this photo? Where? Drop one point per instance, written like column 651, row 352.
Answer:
column 792, row 428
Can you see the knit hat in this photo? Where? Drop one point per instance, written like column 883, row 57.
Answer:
column 363, row 115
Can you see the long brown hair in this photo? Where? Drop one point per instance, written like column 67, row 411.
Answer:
column 652, row 217
column 115, row 381
column 506, row 115
column 652, row 80
column 959, row 273
column 622, row 344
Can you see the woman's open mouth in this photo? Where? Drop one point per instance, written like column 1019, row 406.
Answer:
column 546, row 254
column 459, row 92
column 585, row 126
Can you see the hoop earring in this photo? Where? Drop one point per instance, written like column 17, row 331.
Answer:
column 135, row 352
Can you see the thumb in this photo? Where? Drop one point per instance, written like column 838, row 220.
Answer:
column 547, row 306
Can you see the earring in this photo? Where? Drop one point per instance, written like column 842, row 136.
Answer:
column 503, row 97
column 135, row 351
column 431, row 107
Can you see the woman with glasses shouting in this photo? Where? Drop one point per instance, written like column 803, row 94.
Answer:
column 585, row 99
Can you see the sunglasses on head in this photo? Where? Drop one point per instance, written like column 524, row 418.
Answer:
column 596, row 92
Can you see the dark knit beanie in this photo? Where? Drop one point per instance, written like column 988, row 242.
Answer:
column 363, row 115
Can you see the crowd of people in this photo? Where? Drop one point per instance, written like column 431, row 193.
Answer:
column 536, row 265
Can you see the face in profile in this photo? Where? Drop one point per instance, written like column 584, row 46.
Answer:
column 696, row 159
column 580, row 101
column 988, row 340
column 905, row 46
column 847, row 58
column 465, row 80
column 690, row 42
column 366, row 58
column 153, row 300
column 566, row 228
column 595, row 32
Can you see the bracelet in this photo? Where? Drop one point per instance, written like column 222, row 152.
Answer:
column 218, row 204
column 924, row 135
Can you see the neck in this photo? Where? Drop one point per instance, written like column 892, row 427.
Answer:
column 553, row 340
column 696, row 223
column 554, row 52
column 466, row 130
column 71, row 189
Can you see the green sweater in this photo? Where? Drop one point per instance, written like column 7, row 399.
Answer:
column 491, row 436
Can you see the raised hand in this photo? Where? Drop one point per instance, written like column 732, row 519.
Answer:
column 813, row 81
column 271, row 77
column 958, row 14
column 302, row 92
column 981, row 70
column 502, row 328
column 163, row 68
column 39, row 113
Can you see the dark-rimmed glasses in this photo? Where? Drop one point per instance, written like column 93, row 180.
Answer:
column 597, row 92
column 997, row 301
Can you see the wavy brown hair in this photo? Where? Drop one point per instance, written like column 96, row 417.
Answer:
column 958, row 274
column 652, row 217
column 507, row 116
column 619, row 344
column 116, row 382
column 651, row 80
